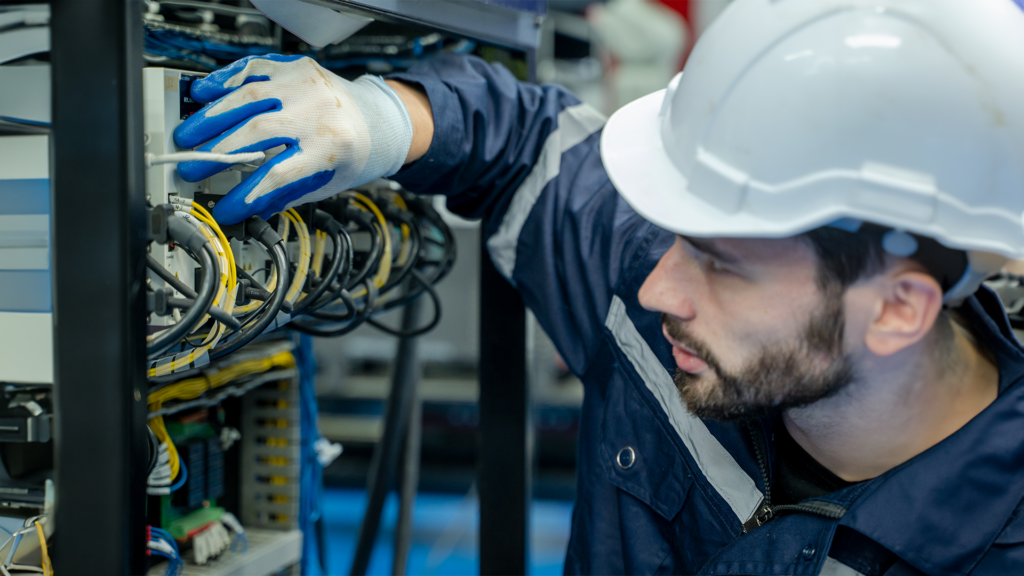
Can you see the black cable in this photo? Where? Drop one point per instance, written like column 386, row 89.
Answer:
column 429, row 289
column 274, row 245
column 428, row 212
column 207, row 291
column 246, row 276
column 388, row 451
column 251, row 331
column 443, row 266
column 217, row 313
column 398, row 276
column 171, row 279
column 332, row 272
column 287, row 307
column 338, row 285
column 350, row 306
column 362, row 316
column 373, row 256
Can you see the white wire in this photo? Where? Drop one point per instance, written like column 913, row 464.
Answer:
column 161, row 546
column 153, row 159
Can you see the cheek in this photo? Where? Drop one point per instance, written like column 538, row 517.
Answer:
column 762, row 316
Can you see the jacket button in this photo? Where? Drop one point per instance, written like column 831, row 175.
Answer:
column 808, row 552
column 626, row 458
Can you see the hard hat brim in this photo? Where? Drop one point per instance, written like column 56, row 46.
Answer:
column 641, row 170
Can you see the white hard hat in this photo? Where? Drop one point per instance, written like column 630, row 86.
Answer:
column 794, row 114
column 315, row 25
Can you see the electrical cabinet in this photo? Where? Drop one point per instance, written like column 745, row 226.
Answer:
column 99, row 241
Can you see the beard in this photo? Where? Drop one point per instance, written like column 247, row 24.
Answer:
column 780, row 376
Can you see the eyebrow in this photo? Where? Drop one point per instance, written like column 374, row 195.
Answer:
column 708, row 247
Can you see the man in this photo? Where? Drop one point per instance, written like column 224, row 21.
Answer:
column 796, row 229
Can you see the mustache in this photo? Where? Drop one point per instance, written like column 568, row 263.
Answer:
column 678, row 332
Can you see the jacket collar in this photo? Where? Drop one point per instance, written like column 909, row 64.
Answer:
column 961, row 492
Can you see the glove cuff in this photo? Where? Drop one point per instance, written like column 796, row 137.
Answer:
column 389, row 126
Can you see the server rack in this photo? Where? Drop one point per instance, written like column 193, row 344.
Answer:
column 99, row 295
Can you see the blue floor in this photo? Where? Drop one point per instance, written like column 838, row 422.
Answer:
column 444, row 538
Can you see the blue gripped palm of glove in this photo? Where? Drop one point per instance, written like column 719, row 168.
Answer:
column 337, row 134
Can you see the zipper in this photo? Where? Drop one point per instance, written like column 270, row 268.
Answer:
column 765, row 511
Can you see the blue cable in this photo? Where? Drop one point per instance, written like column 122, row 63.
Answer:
column 183, row 478
column 309, row 466
column 165, row 535
column 173, row 564
column 177, row 563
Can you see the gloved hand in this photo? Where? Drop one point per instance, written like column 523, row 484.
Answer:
column 338, row 134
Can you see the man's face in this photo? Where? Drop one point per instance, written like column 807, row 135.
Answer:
column 752, row 332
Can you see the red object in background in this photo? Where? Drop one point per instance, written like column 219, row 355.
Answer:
column 685, row 9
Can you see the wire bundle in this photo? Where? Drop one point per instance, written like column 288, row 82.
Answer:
column 161, row 543
column 325, row 288
column 169, row 473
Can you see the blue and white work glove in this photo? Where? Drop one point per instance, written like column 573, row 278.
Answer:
column 338, row 134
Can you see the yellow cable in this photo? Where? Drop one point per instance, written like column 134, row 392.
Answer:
column 285, row 228
column 304, row 256
column 385, row 262
column 397, row 200
column 207, row 218
column 160, row 431
column 318, row 252
column 178, row 362
column 47, row 565
column 192, row 388
column 222, row 289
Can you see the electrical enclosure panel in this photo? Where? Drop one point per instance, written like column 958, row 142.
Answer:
column 166, row 104
column 26, row 302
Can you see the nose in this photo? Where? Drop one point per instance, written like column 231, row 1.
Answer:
column 665, row 289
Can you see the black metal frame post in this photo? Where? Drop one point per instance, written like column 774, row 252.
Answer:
column 506, row 439
column 98, row 229
column 408, row 484
column 388, row 452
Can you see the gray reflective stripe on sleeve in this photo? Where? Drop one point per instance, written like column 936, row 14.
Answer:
column 714, row 461
column 833, row 567
column 575, row 124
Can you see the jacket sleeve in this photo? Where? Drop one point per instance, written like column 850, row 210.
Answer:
column 525, row 159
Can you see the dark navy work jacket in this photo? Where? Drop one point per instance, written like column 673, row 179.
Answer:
column 526, row 160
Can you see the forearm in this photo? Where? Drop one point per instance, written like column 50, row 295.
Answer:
column 418, row 105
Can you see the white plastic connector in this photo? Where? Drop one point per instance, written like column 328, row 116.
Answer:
column 229, row 436
column 162, row 547
column 232, row 522
column 327, row 451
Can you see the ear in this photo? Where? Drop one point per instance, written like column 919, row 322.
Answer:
column 908, row 304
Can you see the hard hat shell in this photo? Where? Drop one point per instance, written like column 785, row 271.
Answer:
column 792, row 114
